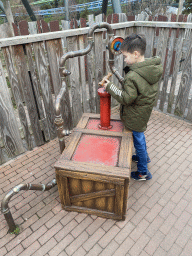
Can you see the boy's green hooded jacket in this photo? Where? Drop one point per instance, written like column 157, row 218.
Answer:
column 138, row 95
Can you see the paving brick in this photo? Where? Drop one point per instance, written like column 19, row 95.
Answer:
column 46, row 247
column 129, row 216
column 165, row 197
column 188, row 249
column 178, row 195
column 165, row 184
column 154, row 243
column 122, row 235
column 139, row 215
column 124, row 247
column 80, row 252
column 17, row 240
column 67, row 229
column 110, row 249
column 96, row 250
column 55, row 219
column 154, row 226
column 3, row 251
column 167, row 210
column 103, row 242
column 180, row 207
column 42, row 221
column 61, row 245
column 139, row 230
column 139, row 245
column 16, row 251
column 184, row 236
column 169, row 240
column 168, row 224
column 175, row 250
column 34, row 236
column 153, row 212
column 47, row 208
column 140, row 202
column 68, row 218
column 31, row 249
column 95, row 225
column 80, row 217
column 82, row 226
column 108, row 224
column 77, row 243
column 93, row 239
column 153, row 200
column 50, row 233
column 182, row 221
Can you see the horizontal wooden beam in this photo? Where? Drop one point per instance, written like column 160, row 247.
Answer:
column 84, row 197
column 99, row 213
column 81, row 31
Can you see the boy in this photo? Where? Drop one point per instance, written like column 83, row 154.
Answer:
column 137, row 96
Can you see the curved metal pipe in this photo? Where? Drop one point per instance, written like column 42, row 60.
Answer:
column 4, row 204
column 90, row 42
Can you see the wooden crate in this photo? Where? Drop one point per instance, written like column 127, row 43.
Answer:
column 90, row 185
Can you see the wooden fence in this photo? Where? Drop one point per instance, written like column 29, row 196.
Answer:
column 32, row 69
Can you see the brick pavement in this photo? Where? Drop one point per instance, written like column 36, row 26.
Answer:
column 159, row 215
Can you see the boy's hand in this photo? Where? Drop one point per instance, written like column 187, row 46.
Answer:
column 106, row 83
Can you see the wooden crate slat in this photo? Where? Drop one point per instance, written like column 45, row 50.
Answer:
column 28, row 93
column 175, row 71
column 100, row 203
column 88, row 186
column 92, row 211
column 97, row 172
column 88, row 196
column 119, row 200
column 167, row 69
column 8, row 55
column 8, row 124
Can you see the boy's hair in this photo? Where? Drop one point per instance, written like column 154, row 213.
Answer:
column 134, row 42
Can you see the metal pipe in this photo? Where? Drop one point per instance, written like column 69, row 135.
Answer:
column 4, row 204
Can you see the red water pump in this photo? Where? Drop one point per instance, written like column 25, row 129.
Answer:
column 105, row 106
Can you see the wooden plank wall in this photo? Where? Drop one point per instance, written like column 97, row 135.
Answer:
column 33, row 72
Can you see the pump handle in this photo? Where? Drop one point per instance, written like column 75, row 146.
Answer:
column 105, row 77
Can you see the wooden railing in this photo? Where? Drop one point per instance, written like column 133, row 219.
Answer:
column 32, row 67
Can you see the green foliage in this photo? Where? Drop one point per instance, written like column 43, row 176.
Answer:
column 84, row 14
column 188, row 7
column 16, row 231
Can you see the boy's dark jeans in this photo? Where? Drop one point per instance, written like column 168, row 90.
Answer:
column 141, row 151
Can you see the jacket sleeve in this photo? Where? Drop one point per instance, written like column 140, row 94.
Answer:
column 126, row 96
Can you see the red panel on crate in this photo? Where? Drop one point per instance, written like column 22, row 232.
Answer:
column 93, row 124
column 97, row 149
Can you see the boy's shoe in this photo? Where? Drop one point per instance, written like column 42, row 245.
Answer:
column 135, row 158
column 138, row 176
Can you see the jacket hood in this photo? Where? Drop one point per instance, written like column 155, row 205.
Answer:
column 150, row 69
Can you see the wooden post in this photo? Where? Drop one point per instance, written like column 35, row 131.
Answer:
column 9, row 15
column 180, row 8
